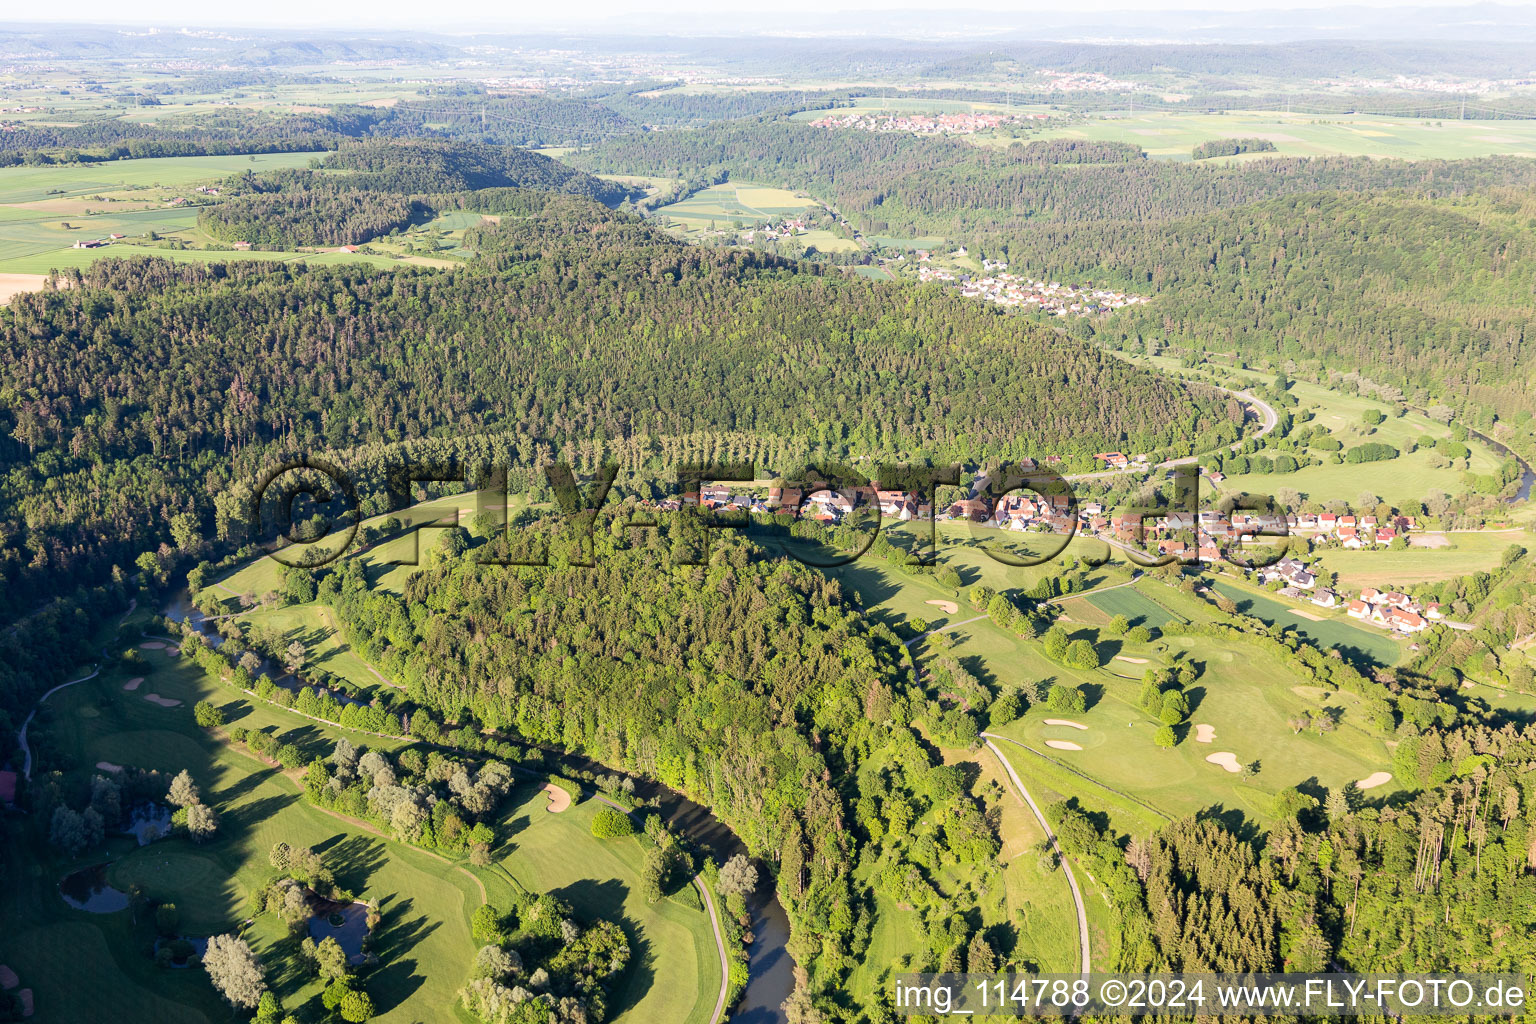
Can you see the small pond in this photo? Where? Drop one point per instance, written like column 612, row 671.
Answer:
column 347, row 923
column 87, row 889
column 148, row 822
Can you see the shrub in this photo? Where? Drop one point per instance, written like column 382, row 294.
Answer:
column 1065, row 698
column 611, row 823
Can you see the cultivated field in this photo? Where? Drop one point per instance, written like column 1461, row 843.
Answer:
column 1391, row 570
column 1172, row 135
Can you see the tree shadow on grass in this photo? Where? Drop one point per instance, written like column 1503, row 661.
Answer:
column 400, row 931
column 1092, row 694
column 246, row 784
column 393, row 983
column 249, row 816
column 1233, row 819
column 353, row 859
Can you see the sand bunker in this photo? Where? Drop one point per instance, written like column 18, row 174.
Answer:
column 108, row 766
column 172, row 652
column 947, row 607
column 1062, row 745
column 24, row 997
column 152, row 645
column 1204, row 733
column 165, row 702
column 1373, row 780
column 1227, row 760
column 133, row 684
column 8, row 979
column 1130, row 661
column 559, row 799
column 1066, row 722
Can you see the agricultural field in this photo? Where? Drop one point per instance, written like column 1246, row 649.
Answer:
column 45, row 210
column 1172, row 135
column 1462, row 554
column 423, row 941
column 724, row 205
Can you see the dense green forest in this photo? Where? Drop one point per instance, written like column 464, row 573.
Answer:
column 1431, row 296
column 384, row 187
column 896, row 184
column 145, row 387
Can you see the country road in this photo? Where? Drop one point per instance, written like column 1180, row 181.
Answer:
column 714, row 924
column 1084, row 950
column 1267, row 414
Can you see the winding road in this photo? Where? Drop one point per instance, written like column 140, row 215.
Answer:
column 1085, row 952
column 1267, row 414
column 725, row 962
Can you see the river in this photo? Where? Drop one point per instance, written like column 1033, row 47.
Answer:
column 770, row 969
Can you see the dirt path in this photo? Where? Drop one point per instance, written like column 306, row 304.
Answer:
column 1091, row 590
column 326, row 617
column 1085, row 951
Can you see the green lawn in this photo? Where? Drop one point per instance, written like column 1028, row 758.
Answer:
column 1246, row 695
column 1140, row 608
column 676, row 972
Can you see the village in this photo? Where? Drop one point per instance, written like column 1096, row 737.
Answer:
column 1026, row 293
column 1208, row 536
column 924, row 124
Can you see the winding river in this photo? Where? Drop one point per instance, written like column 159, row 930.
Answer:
column 770, row 969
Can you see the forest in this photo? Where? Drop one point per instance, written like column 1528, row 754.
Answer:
column 1431, row 296
column 142, row 388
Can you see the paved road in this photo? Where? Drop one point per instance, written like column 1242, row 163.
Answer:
column 21, row 737
column 1085, row 951
column 725, row 963
column 714, row 925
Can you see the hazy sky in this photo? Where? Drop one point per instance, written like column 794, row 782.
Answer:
column 493, row 15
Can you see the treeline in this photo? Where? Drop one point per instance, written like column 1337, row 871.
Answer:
column 287, row 209
column 215, row 133
column 1231, row 147
column 389, row 185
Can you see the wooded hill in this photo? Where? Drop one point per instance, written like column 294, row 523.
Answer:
column 381, row 187
column 1432, row 296
column 146, row 386
column 900, row 185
